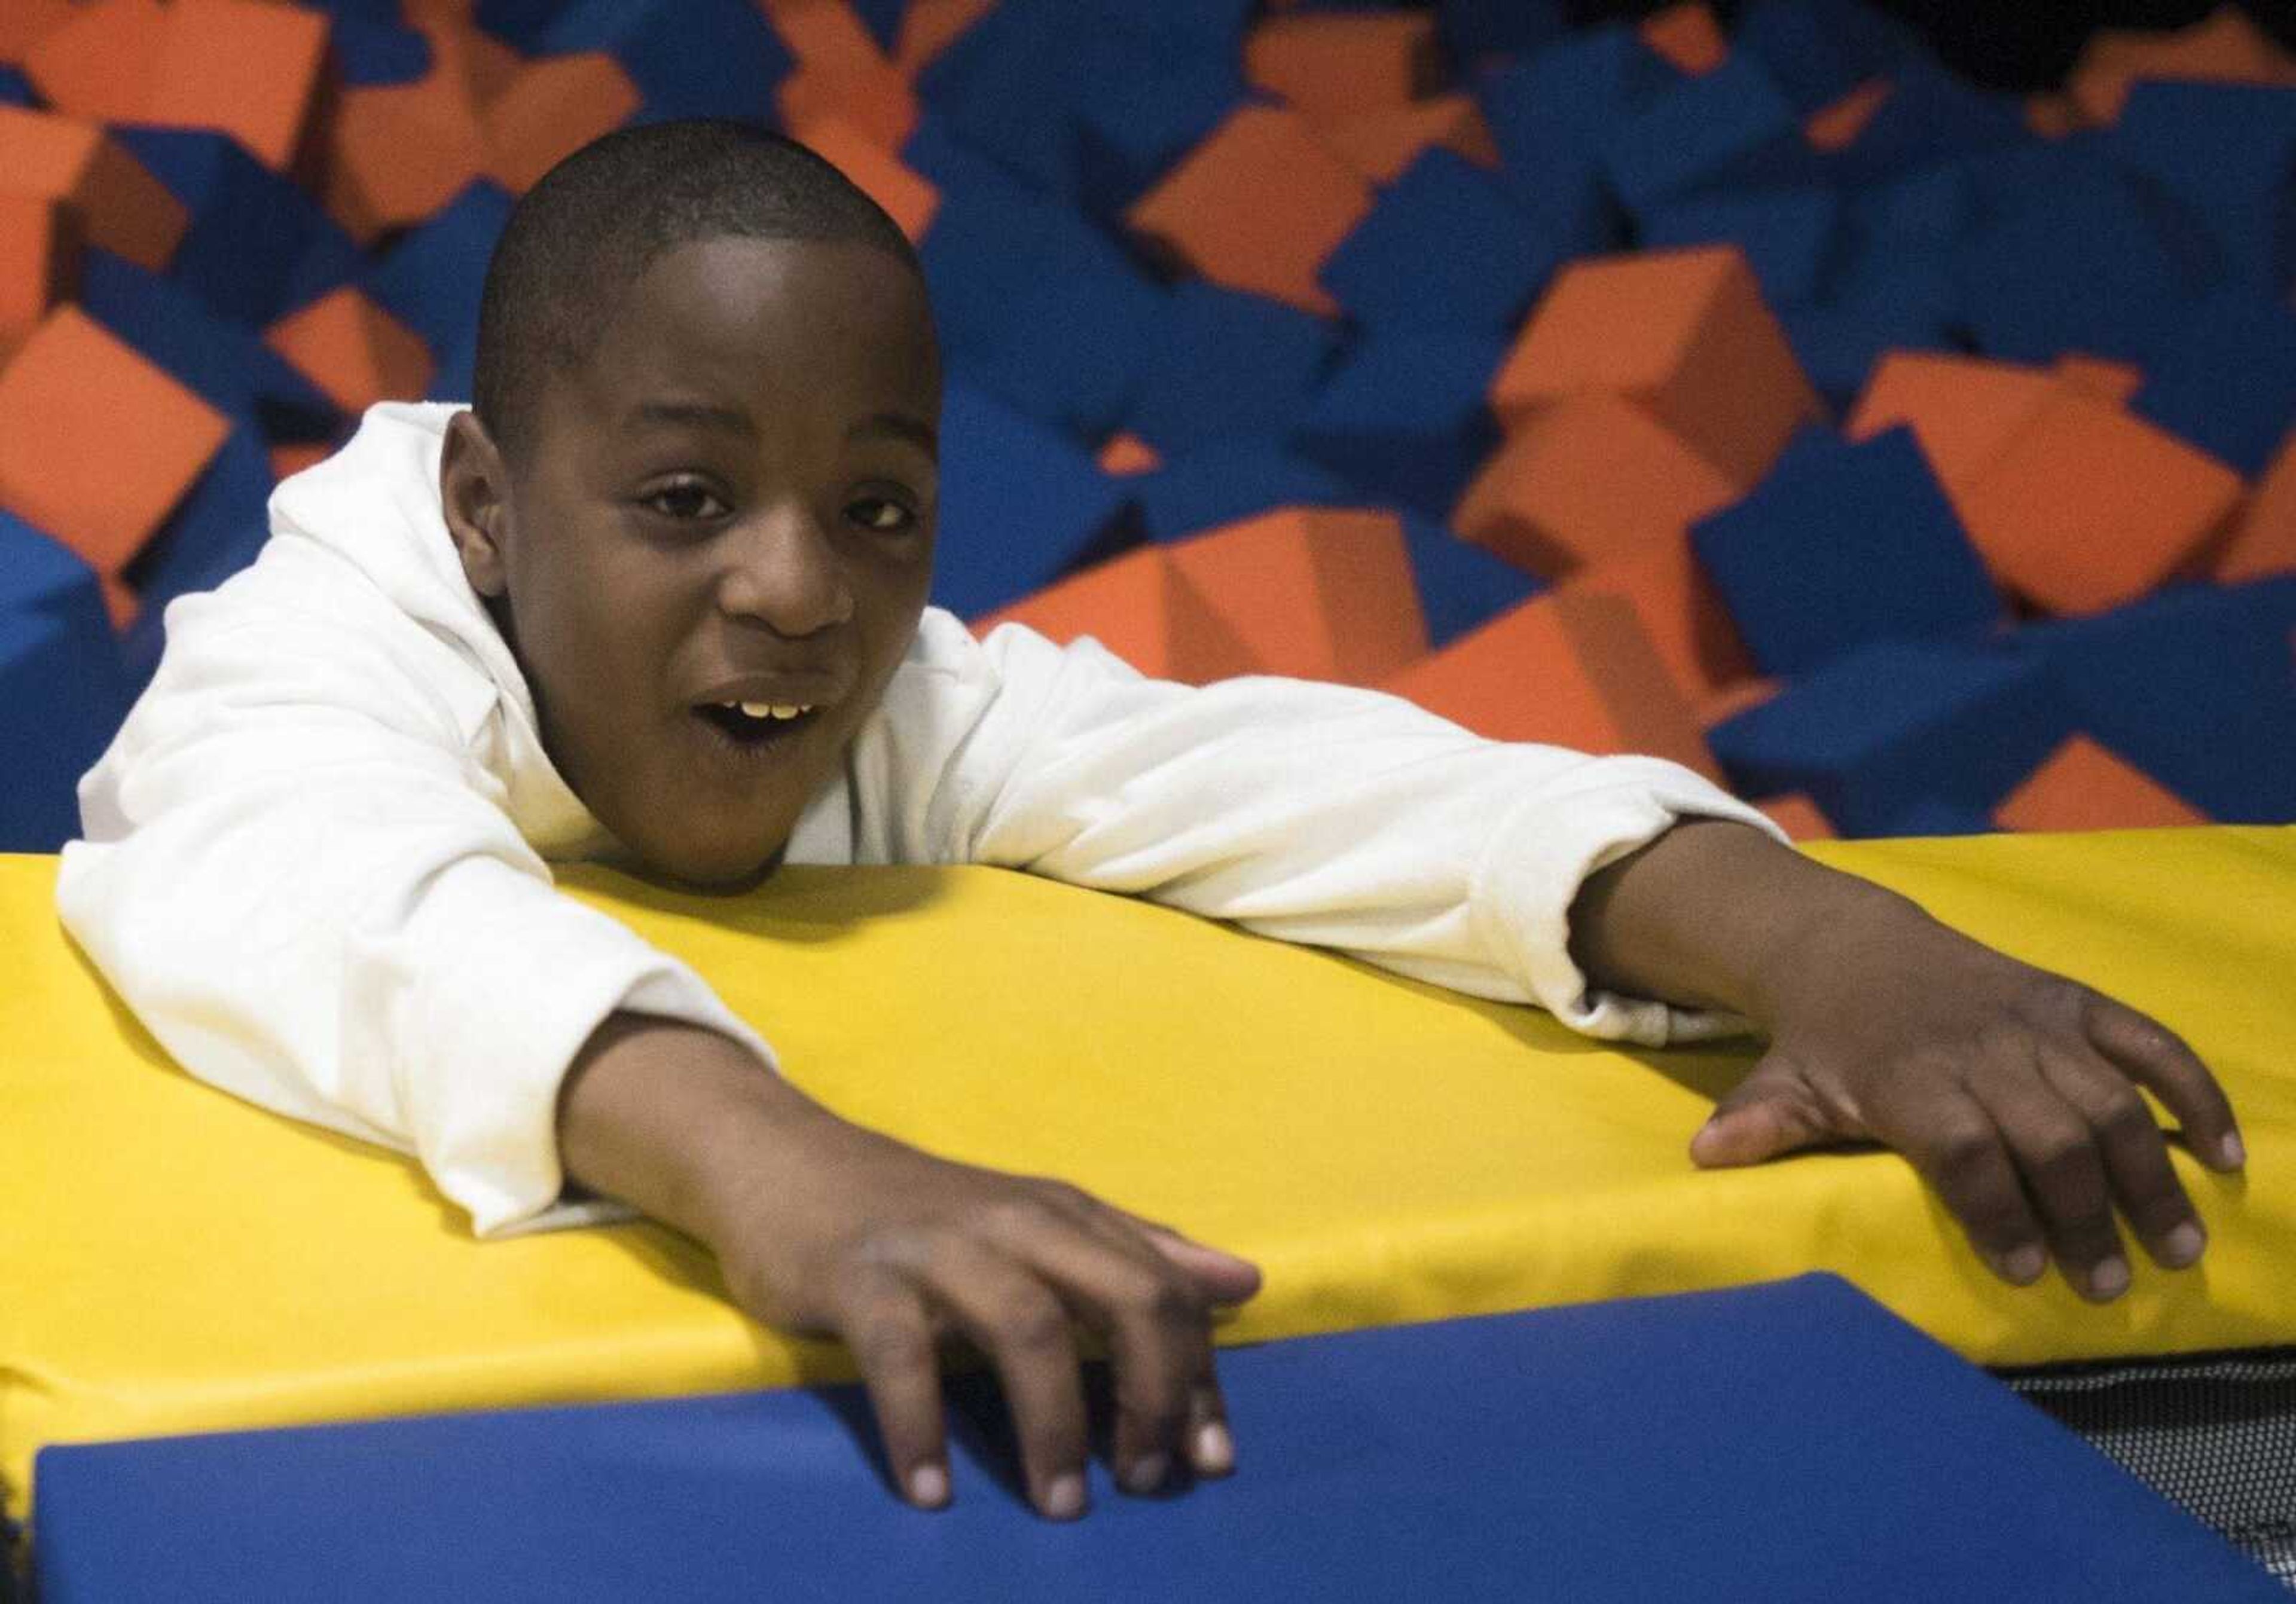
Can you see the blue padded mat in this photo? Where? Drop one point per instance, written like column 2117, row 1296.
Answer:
column 1786, row 1442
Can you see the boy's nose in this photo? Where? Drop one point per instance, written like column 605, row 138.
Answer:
column 782, row 570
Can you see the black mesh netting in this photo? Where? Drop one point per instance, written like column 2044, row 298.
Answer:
column 2216, row 1433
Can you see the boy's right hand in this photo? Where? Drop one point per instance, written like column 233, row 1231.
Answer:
column 824, row 1228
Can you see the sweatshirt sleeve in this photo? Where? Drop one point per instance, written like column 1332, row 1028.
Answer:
column 296, row 877
column 1312, row 812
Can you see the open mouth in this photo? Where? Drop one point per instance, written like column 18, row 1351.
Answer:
column 756, row 725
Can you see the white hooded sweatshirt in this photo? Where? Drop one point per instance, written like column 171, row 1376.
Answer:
column 317, row 856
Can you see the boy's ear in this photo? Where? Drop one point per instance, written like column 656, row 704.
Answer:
column 474, row 491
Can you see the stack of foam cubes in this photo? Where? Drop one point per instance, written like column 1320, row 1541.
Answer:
column 1914, row 457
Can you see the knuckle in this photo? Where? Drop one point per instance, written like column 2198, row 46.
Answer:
column 1034, row 1325
column 1962, row 1155
column 2121, row 1114
column 2064, row 1161
column 883, row 1346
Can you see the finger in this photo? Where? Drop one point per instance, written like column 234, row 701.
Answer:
column 2056, row 1156
column 1156, row 1323
column 2155, row 1056
column 1211, row 1441
column 1023, row 1329
column 1960, row 1152
column 885, row 1325
column 2135, row 1152
column 1226, row 1279
column 1772, row 1112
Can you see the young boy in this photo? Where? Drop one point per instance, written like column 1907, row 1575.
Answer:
column 660, row 598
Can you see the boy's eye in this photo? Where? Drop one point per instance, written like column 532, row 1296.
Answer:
column 684, row 500
column 880, row 513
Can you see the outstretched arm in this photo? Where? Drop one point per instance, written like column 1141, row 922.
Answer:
column 2013, row 1091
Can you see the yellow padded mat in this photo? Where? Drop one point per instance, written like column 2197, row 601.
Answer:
column 172, row 1260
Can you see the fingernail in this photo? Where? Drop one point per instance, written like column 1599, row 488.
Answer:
column 1147, row 1473
column 2235, row 1152
column 929, row 1486
column 2109, row 1279
column 2183, row 1246
column 1215, row 1450
column 1064, row 1499
column 2025, row 1265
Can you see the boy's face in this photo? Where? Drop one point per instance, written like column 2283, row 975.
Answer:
column 731, row 503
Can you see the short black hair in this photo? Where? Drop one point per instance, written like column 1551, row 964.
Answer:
column 581, row 236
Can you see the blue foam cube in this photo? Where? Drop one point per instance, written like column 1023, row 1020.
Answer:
column 1442, row 248
column 1472, row 30
column 256, row 244
column 1034, row 304
column 2225, row 378
column 62, row 689
column 1566, row 100
column 1701, row 131
column 372, row 51
column 687, row 58
column 883, row 19
column 1931, row 116
column 1228, row 480
column 2195, row 685
column 224, row 362
column 1843, row 545
column 2225, row 153
column 522, row 23
column 1790, row 237
column 1898, row 736
column 1229, row 363
column 1913, row 306
column 213, row 532
column 16, row 89
column 1406, row 417
column 2080, row 266
column 433, row 279
column 1130, row 125
column 1020, row 503
column 1462, row 586
column 1818, row 51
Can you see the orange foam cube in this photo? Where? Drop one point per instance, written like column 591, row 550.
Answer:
column 97, row 445
column 549, row 110
column 2088, row 506
column 1138, row 607
column 1311, row 593
column 1688, row 35
column 249, row 69
column 1799, row 817
column 876, row 99
column 929, row 27
column 39, row 264
column 356, row 353
column 1125, row 454
column 825, row 34
column 120, row 206
column 1964, row 410
column 2052, row 116
column 2108, row 380
column 1592, row 478
column 1379, row 145
column 2224, row 47
column 1343, row 61
column 24, row 23
column 2263, row 542
column 2084, row 786
column 1837, row 126
column 1686, row 333
column 1256, row 206
column 398, row 153
column 1566, row 670
column 120, row 601
column 1739, row 696
column 908, row 197
column 102, row 62
column 1681, row 612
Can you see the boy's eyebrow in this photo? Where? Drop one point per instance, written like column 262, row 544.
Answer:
column 731, row 420
column 901, row 427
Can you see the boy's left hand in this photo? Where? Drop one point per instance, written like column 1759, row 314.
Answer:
column 2013, row 1091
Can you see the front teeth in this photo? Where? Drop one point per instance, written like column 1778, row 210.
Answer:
column 767, row 709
